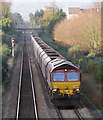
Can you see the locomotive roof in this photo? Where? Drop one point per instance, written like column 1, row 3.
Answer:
column 48, row 50
column 61, row 63
column 56, row 60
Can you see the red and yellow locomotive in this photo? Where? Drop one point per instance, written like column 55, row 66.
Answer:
column 62, row 76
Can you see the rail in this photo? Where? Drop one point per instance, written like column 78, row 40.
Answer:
column 78, row 114
column 59, row 114
column 33, row 90
column 18, row 101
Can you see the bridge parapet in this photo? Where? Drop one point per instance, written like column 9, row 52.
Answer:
column 27, row 27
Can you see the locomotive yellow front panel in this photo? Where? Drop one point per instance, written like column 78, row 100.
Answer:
column 69, row 88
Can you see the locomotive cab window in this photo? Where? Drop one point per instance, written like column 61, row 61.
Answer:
column 72, row 76
column 58, row 76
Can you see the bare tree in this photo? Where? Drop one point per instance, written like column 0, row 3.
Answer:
column 83, row 31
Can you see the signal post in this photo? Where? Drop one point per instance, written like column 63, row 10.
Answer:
column 13, row 44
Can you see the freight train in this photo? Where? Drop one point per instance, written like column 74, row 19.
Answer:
column 63, row 77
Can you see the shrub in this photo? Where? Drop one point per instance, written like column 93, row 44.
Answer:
column 89, row 65
column 83, row 65
column 5, row 55
column 76, row 53
column 99, row 72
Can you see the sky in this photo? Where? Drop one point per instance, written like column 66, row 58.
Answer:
column 24, row 7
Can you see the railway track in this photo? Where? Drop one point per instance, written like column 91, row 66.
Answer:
column 26, row 102
column 79, row 114
column 75, row 114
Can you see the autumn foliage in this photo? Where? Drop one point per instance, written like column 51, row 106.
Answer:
column 82, row 32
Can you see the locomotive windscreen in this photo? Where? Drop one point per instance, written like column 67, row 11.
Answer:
column 58, row 76
column 72, row 76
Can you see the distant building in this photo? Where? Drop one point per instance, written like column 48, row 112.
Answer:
column 73, row 12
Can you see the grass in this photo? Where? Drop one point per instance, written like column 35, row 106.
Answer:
column 91, row 88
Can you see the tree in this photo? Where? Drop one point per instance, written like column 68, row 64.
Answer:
column 5, row 21
column 5, row 24
column 58, row 16
column 83, row 31
column 17, row 18
column 48, row 17
column 49, row 14
column 38, row 16
column 52, row 15
column 31, row 17
column 5, row 8
column 35, row 19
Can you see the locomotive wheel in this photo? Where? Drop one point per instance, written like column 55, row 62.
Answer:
column 54, row 97
column 77, row 102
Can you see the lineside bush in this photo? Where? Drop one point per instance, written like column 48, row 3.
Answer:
column 92, row 66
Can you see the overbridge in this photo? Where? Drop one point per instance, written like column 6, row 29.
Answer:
column 28, row 27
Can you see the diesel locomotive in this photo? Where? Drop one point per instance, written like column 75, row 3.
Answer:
column 63, row 77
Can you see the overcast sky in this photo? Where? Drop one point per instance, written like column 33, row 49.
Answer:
column 24, row 7
column 54, row 0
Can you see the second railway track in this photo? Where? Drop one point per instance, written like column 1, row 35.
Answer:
column 69, row 114
column 26, row 105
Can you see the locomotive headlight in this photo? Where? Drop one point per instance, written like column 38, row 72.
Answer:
column 76, row 89
column 65, row 70
column 56, row 90
column 66, row 88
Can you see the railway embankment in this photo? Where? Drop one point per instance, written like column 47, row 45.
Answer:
column 8, row 61
column 9, row 99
